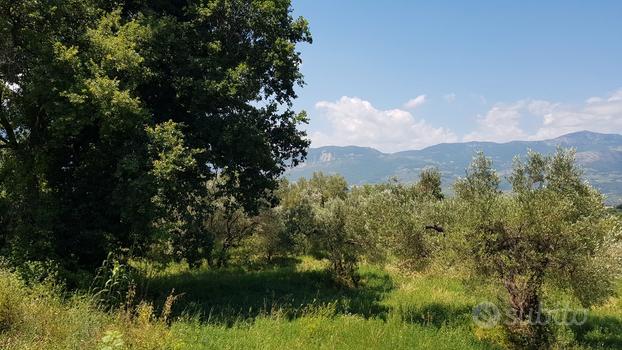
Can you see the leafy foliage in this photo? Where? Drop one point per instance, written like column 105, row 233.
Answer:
column 112, row 283
column 115, row 115
column 553, row 227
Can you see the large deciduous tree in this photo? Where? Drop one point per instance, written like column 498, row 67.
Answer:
column 114, row 116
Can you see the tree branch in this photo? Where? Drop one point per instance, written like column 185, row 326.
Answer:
column 435, row 227
column 4, row 121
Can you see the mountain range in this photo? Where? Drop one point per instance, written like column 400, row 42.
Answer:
column 600, row 156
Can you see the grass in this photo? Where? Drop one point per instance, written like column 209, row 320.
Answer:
column 291, row 291
column 603, row 329
column 285, row 306
column 326, row 332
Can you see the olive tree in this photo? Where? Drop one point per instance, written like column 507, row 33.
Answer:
column 231, row 225
column 336, row 243
column 400, row 221
column 271, row 237
column 317, row 215
column 552, row 228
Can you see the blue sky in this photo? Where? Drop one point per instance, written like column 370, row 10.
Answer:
column 399, row 75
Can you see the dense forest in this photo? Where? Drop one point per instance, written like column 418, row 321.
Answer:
column 142, row 147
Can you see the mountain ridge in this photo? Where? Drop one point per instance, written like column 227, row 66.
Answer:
column 599, row 154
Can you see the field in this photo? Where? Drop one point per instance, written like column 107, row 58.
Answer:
column 167, row 181
column 289, row 305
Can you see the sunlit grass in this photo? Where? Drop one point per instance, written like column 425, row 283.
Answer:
column 287, row 306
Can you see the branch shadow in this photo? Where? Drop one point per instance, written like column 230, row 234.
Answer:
column 233, row 295
column 602, row 332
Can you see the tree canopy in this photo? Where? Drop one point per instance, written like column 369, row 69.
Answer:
column 116, row 114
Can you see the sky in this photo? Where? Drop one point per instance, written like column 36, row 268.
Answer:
column 398, row 75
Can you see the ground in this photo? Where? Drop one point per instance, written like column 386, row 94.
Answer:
column 289, row 305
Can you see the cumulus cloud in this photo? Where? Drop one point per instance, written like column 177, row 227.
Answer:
column 600, row 114
column 355, row 121
column 503, row 122
column 415, row 102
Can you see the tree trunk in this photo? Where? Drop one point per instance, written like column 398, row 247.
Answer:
column 222, row 257
column 529, row 329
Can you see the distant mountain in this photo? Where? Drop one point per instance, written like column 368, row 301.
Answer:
column 600, row 155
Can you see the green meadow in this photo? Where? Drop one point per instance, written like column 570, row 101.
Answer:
column 292, row 304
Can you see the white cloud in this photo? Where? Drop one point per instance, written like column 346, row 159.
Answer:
column 450, row 97
column 502, row 122
column 593, row 100
column 598, row 114
column 357, row 122
column 616, row 96
column 415, row 102
column 353, row 121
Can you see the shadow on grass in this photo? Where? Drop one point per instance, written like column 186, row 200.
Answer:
column 602, row 332
column 227, row 296
column 435, row 314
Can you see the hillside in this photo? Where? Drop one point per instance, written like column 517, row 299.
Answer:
column 600, row 155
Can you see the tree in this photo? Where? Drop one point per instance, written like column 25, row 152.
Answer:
column 397, row 220
column 481, row 182
column 300, row 202
column 317, row 216
column 272, row 237
column 323, row 187
column 335, row 241
column 113, row 112
column 181, row 209
column 430, row 183
column 552, row 228
column 230, row 225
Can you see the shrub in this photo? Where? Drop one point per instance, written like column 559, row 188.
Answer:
column 112, row 283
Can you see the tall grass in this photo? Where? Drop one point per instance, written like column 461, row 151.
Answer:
column 36, row 318
column 287, row 306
